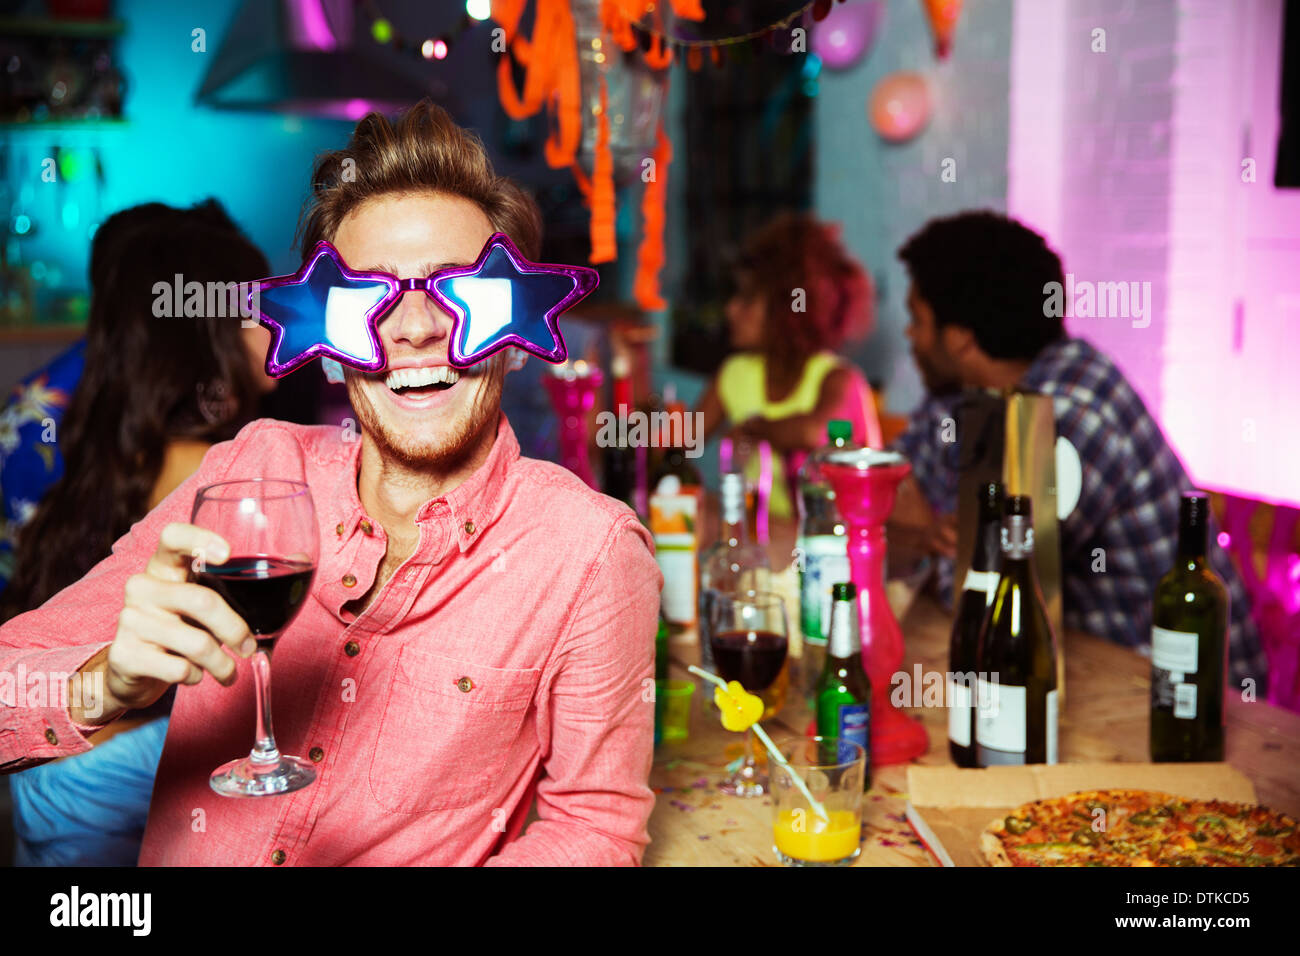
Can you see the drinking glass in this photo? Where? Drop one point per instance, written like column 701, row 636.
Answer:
column 270, row 526
column 749, row 635
column 833, row 770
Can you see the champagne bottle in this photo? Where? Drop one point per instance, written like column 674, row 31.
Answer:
column 1189, row 624
column 844, row 691
column 1015, row 717
column 977, row 595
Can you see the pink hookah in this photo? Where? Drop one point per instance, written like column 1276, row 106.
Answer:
column 865, row 481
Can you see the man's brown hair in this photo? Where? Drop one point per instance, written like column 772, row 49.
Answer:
column 423, row 150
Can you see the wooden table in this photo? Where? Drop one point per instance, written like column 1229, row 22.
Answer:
column 1107, row 702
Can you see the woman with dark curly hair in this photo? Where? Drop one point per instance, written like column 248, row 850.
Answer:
column 799, row 296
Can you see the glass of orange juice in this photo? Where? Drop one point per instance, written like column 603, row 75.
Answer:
column 833, row 769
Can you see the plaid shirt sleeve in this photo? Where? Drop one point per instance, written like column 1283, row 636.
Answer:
column 930, row 446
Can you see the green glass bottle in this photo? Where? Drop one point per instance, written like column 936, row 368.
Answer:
column 1189, row 625
column 1015, row 700
column 844, row 692
column 977, row 593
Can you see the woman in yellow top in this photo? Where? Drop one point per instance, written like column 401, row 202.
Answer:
column 799, row 296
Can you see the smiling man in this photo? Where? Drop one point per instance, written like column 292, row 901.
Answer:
column 480, row 627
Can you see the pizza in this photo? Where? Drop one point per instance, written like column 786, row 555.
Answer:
column 1140, row 828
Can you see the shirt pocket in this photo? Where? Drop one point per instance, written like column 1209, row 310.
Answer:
column 448, row 728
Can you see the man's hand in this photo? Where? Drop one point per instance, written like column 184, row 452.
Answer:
column 915, row 529
column 170, row 630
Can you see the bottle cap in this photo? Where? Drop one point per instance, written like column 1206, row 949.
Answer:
column 1194, row 508
column 733, row 497
column 669, row 485
column 843, row 591
column 1018, row 505
column 837, row 429
column 989, row 494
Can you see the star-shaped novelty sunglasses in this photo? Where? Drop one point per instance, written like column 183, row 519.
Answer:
column 326, row 309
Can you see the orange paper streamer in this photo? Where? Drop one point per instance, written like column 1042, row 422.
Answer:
column 943, row 16
column 650, row 257
column 604, row 248
column 552, row 80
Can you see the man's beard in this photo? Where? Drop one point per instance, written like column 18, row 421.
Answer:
column 458, row 437
column 937, row 377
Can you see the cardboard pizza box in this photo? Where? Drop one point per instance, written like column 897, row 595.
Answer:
column 949, row 807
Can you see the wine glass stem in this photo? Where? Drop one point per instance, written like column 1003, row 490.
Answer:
column 264, row 749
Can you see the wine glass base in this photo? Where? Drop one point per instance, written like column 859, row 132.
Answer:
column 745, row 784
column 245, row 778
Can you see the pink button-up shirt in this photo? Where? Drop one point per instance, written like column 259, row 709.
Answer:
column 510, row 657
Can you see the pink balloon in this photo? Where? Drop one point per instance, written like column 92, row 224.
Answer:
column 847, row 33
column 900, row 106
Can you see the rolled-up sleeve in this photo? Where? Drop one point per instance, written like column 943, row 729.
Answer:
column 594, row 801
column 41, row 649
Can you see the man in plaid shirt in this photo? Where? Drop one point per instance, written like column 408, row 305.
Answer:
column 977, row 306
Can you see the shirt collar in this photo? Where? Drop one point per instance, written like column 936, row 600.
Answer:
column 473, row 505
column 1044, row 367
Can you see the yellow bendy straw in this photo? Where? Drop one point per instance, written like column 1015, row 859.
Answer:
column 767, row 742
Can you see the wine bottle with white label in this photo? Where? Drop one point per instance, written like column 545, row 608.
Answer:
column 977, row 595
column 1188, row 646
column 1015, row 701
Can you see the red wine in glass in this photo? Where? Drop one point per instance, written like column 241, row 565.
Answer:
column 265, row 591
column 754, row 658
column 269, row 526
column 749, row 636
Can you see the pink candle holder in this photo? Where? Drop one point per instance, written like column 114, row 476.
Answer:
column 572, row 387
column 865, row 482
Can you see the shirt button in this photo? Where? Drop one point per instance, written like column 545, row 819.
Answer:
column 367, row 527
column 316, row 754
column 469, row 527
column 51, row 736
column 338, row 529
column 352, row 648
column 278, row 857
column 465, row 685
column 349, row 581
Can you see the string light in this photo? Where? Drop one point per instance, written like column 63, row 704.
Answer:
column 479, row 9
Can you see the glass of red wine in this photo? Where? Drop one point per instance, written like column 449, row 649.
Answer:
column 749, row 636
column 270, row 526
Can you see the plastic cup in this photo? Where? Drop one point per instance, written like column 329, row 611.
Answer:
column 673, row 708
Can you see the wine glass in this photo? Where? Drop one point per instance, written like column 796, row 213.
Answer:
column 270, row 526
column 749, row 636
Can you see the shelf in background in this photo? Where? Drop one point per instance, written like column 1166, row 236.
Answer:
column 40, row 334
column 61, row 125
column 51, row 27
